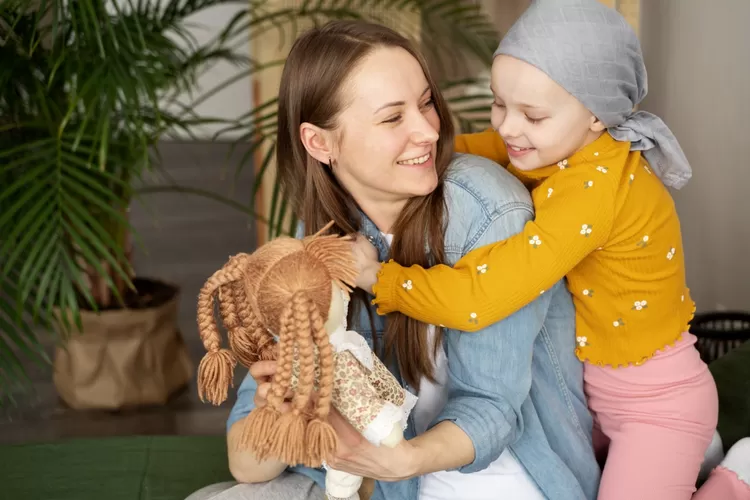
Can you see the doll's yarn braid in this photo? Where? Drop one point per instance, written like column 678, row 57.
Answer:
column 321, row 437
column 249, row 341
column 216, row 369
column 258, row 430
column 289, row 433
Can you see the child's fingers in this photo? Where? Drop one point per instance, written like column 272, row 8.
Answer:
column 262, row 371
column 261, row 395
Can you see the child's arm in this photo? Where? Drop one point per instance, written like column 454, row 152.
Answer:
column 487, row 144
column 492, row 282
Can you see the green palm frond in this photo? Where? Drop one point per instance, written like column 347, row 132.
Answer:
column 60, row 210
column 19, row 339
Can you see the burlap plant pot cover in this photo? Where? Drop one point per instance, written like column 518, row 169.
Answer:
column 123, row 358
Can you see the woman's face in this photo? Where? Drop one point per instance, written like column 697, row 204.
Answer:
column 386, row 139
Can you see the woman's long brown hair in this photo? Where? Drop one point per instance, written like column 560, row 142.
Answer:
column 284, row 287
column 314, row 75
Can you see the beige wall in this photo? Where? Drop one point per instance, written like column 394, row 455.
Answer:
column 699, row 74
column 504, row 12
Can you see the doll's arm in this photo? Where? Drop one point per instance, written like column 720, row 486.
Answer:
column 360, row 404
column 390, row 390
column 385, row 383
column 380, row 378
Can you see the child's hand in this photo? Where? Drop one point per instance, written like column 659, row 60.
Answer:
column 263, row 372
column 368, row 264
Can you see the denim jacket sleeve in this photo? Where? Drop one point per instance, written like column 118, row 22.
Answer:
column 244, row 404
column 489, row 371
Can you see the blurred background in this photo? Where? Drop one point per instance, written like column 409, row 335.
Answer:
column 136, row 143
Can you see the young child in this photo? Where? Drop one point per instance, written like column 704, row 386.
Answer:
column 566, row 78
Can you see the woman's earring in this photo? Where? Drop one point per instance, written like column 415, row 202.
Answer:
column 330, row 162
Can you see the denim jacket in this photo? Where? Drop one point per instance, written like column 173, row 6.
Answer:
column 515, row 384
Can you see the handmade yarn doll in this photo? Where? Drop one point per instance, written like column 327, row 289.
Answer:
column 288, row 301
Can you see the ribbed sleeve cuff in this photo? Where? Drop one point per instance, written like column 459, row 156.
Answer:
column 384, row 289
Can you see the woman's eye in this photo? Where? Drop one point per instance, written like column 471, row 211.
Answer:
column 534, row 120
column 429, row 103
column 498, row 105
column 393, row 119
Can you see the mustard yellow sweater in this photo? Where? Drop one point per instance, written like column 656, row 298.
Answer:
column 604, row 221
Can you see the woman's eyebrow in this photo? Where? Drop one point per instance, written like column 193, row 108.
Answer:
column 400, row 103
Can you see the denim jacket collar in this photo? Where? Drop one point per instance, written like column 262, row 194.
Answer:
column 370, row 231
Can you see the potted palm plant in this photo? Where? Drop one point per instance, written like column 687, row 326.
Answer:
column 85, row 90
column 84, row 97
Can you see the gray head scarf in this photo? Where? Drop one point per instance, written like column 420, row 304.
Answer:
column 591, row 51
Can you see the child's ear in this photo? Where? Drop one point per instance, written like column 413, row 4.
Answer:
column 597, row 125
column 317, row 142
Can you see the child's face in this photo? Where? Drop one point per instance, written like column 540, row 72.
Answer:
column 540, row 122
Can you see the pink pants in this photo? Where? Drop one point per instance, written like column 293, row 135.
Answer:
column 657, row 420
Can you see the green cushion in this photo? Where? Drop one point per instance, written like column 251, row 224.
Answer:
column 121, row 468
column 732, row 375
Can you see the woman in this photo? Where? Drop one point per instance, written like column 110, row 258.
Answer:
column 365, row 139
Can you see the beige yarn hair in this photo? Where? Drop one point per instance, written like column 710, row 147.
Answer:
column 283, row 287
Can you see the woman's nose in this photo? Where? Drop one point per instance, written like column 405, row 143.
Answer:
column 424, row 132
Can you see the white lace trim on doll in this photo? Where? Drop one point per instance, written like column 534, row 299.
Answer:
column 345, row 298
column 349, row 340
column 382, row 425
column 410, row 401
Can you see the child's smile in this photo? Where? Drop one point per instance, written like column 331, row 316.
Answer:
column 517, row 152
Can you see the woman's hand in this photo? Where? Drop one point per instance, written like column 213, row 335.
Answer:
column 358, row 456
column 368, row 264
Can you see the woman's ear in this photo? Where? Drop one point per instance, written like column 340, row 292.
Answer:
column 317, row 142
column 597, row 125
